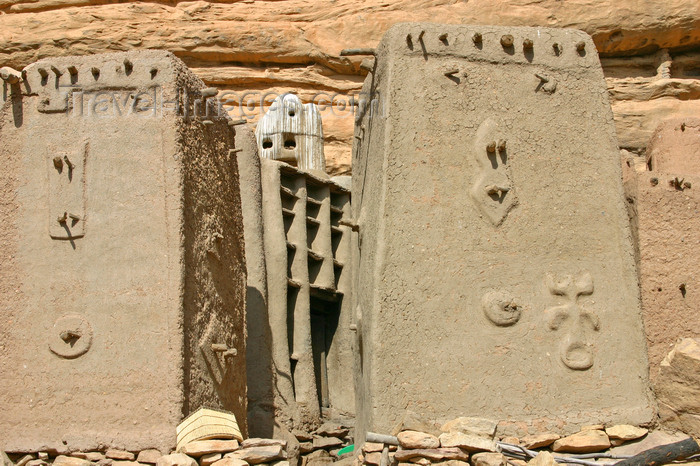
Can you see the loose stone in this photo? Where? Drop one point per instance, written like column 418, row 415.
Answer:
column 63, row 460
column 209, row 459
column 24, row 460
column 306, row 447
column 326, row 442
column 149, row 456
column 588, row 441
column 543, row 458
column 411, row 439
column 625, row 432
column 257, row 455
column 539, row 440
column 227, row 461
column 488, row 459
column 332, row 430
column 436, row 454
column 120, row 455
column 467, row 442
column 176, row 459
column 205, row 447
column 262, row 442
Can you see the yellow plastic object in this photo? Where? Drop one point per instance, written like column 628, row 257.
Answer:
column 207, row 424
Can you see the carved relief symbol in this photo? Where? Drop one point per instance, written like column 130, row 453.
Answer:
column 573, row 319
column 493, row 190
column 547, row 84
column 217, row 356
column 67, row 194
column 70, row 337
column 500, row 308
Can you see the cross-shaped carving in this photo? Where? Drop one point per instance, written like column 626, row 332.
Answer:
column 576, row 321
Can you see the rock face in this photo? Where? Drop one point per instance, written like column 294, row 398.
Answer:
column 678, row 387
column 457, row 181
column 258, row 48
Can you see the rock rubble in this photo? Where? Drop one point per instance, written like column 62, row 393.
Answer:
column 314, row 448
column 463, row 442
column 473, row 441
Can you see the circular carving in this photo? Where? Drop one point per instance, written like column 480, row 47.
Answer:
column 500, row 308
column 71, row 336
column 577, row 356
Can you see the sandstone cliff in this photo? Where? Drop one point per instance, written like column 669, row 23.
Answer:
column 650, row 50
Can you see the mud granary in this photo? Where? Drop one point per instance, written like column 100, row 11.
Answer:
column 493, row 230
column 297, row 234
column 124, row 270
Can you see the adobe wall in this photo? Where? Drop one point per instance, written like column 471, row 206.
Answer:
column 664, row 203
column 261, row 375
column 675, row 147
column 124, row 258
column 496, row 274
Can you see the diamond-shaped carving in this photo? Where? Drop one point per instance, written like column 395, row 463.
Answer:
column 493, row 190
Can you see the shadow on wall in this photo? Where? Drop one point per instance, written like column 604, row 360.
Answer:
column 214, row 287
column 261, row 407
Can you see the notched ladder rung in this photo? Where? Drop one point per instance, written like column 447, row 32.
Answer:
column 287, row 212
column 315, row 256
column 330, row 294
column 285, row 190
column 359, row 51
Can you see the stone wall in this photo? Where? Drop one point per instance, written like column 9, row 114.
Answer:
column 294, row 45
